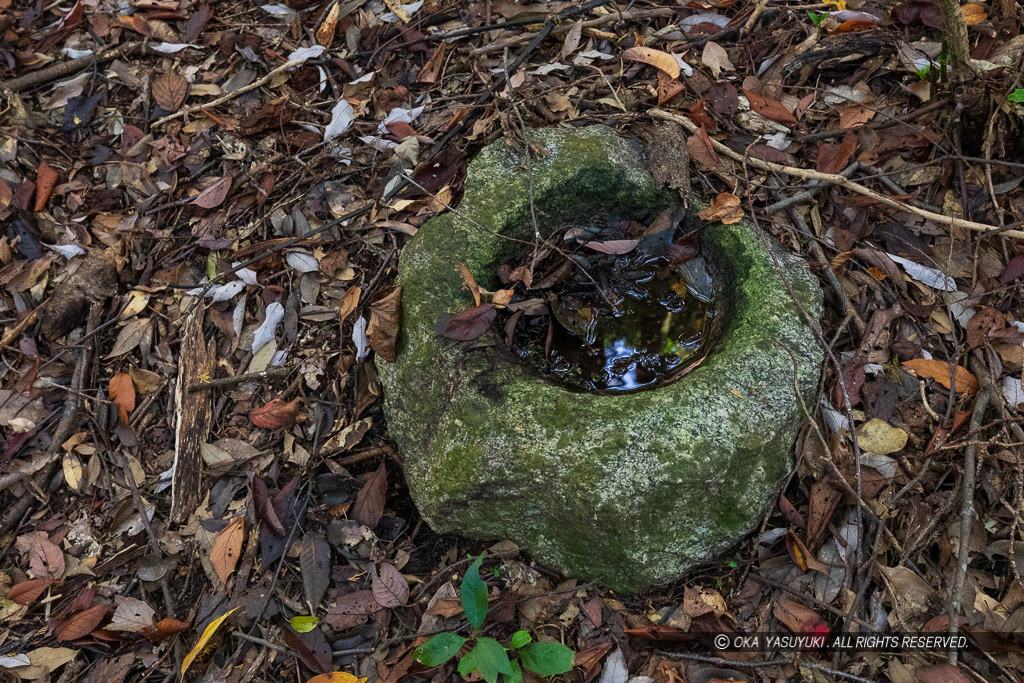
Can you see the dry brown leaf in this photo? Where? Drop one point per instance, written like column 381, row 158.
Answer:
column 716, row 58
column 169, row 90
column 940, row 371
column 470, row 281
column 974, row 13
column 227, row 548
column 382, row 332
column 662, row 61
column 276, row 413
column 349, row 302
column 725, row 208
column 122, row 393
column 46, row 180
column 214, row 195
column 81, row 624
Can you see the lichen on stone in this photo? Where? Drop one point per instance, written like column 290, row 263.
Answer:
column 629, row 490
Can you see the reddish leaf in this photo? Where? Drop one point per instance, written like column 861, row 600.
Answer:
column 214, row 195
column 265, row 511
column 369, row 503
column 163, row 629
column 769, row 108
column 798, row 551
column 276, row 413
column 799, row 619
column 45, row 558
column 390, row 588
column 26, row 592
column 169, row 90
column 122, row 393
column 660, row 633
column 1014, row 269
column 46, row 180
column 471, row 323
column 312, row 648
column 833, row 158
column 227, row 548
column 616, row 247
column 81, row 624
column 352, row 609
column 431, row 176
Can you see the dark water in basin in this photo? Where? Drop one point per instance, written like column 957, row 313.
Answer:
column 655, row 330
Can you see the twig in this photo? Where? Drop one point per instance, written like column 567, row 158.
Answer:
column 259, row 83
column 836, row 179
column 221, row 382
column 967, row 504
column 808, row 193
column 69, row 67
column 721, row 661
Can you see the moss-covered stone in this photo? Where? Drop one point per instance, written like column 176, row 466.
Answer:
column 628, row 490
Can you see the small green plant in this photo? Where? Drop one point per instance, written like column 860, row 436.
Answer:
column 923, row 72
column 488, row 656
column 1016, row 96
column 819, row 19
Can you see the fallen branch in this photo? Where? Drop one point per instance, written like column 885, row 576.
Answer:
column 71, row 66
column 836, row 179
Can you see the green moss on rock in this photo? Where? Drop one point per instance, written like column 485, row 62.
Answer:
column 628, row 490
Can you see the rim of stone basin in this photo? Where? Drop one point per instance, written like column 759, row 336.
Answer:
column 627, row 489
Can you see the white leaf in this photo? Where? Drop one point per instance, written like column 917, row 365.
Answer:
column 683, row 66
column 716, row 58
column 171, row 48
column 342, row 117
column 246, row 275
column 278, row 10
column 719, row 20
column 398, row 114
column 929, row 277
column 68, row 251
column 548, row 68
column 595, row 54
column 11, row 661
column 75, row 54
column 379, row 144
column 359, row 337
column 365, row 78
column 302, row 262
column 304, row 53
column 1013, row 391
column 226, row 291
column 615, row 670
column 238, row 316
column 266, row 331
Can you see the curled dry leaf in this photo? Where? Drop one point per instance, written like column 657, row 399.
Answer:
column 725, row 208
column 662, row 61
column 276, row 413
column 227, row 548
column 716, row 58
column 46, row 180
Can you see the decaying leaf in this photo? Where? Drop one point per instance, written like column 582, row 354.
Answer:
column 725, row 208
column 46, row 180
column 941, row 372
column 315, row 561
column 227, row 548
column 471, row 323
column 382, row 332
column 716, row 58
column 122, row 393
column 276, row 413
column 656, row 58
column 169, row 90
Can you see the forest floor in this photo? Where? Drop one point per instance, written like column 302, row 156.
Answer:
column 182, row 184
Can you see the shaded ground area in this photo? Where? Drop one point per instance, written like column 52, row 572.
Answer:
column 202, row 206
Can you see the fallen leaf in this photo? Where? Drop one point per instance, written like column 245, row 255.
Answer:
column 204, row 639
column 336, row 677
column 80, row 624
column 369, row 502
column 939, row 371
column 382, row 332
column 227, row 548
column 656, row 58
column 276, row 413
column 315, row 562
column 716, row 58
column 617, row 247
column 973, row 13
column 877, row 436
column 799, row 619
column 215, row 194
column 471, row 323
column 122, row 393
column 390, row 588
column 46, row 180
column 725, row 208
column 26, row 592
column 833, row 158
column 770, row 109
column 163, row 629
column 131, row 615
column 129, row 337
column 169, row 90
column 45, row 558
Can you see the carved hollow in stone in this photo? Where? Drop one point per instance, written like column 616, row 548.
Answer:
column 629, row 490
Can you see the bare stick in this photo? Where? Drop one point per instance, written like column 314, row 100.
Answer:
column 836, row 179
column 69, row 67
